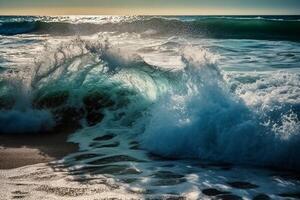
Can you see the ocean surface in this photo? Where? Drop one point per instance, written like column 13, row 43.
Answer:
column 189, row 107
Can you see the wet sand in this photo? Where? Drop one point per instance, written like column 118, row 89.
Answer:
column 21, row 150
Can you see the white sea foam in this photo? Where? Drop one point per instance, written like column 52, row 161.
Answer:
column 206, row 120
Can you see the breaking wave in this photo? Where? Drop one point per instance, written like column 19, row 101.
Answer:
column 186, row 113
column 206, row 120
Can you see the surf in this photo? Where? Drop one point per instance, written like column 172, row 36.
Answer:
column 84, row 83
column 251, row 27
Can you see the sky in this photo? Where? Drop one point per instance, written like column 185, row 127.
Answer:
column 148, row 7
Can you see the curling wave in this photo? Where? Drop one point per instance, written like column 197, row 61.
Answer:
column 188, row 113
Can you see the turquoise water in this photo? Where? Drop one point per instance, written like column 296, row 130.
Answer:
column 170, row 105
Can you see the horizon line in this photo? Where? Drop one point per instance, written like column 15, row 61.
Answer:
column 60, row 11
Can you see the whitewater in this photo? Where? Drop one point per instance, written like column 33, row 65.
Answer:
column 161, row 107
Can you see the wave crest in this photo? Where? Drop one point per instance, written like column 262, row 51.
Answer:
column 187, row 113
column 206, row 27
column 206, row 120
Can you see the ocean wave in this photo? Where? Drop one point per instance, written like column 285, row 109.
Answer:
column 214, row 27
column 19, row 27
column 207, row 121
column 185, row 113
column 75, row 82
column 28, row 121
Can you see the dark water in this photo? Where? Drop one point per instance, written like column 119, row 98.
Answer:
column 223, row 27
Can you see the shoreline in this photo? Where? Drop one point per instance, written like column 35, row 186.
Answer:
column 28, row 149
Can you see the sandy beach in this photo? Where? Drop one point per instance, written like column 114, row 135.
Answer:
column 21, row 150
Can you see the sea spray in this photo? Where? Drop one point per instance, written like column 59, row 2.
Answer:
column 206, row 120
column 75, row 81
column 189, row 112
column 17, row 116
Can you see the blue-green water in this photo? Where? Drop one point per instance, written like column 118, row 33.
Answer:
column 209, row 89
